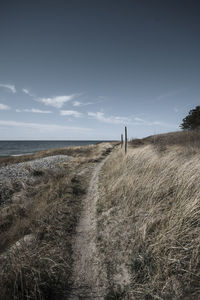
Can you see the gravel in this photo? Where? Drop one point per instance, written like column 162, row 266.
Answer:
column 24, row 170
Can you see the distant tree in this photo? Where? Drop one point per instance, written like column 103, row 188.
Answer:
column 192, row 120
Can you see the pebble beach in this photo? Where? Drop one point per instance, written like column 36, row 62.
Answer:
column 24, row 171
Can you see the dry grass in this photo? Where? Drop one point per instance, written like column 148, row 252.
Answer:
column 75, row 151
column 149, row 222
column 37, row 227
column 188, row 139
column 82, row 154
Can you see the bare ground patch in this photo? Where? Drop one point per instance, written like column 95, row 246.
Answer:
column 88, row 278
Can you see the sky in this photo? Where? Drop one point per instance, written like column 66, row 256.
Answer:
column 84, row 69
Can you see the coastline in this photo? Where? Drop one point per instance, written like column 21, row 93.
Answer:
column 20, row 147
column 19, row 170
column 21, row 154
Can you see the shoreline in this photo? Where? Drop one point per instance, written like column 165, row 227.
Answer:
column 18, row 148
column 21, row 154
column 75, row 151
column 25, row 169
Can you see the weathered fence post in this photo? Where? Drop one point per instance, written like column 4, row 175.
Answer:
column 125, row 139
column 122, row 141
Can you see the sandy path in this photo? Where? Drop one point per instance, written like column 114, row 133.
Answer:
column 88, row 282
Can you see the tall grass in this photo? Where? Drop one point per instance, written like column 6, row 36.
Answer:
column 37, row 227
column 35, row 239
column 189, row 139
column 149, row 221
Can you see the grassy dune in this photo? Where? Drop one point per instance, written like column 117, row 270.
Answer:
column 149, row 218
column 38, row 224
column 148, row 221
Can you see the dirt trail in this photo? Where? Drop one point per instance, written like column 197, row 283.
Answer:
column 88, row 281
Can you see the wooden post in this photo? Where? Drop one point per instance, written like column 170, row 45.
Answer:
column 122, row 141
column 125, row 139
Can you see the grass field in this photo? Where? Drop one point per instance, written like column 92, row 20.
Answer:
column 38, row 224
column 147, row 214
column 149, row 218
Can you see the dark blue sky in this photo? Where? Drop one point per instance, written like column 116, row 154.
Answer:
column 83, row 69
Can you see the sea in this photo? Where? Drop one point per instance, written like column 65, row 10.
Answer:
column 16, row 148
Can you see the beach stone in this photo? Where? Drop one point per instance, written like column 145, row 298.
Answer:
column 24, row 170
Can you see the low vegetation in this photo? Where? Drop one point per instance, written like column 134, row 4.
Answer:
column 38, row 223
column 148, row 222
column 149, row 218
column 192, row 120
column 75, row 151
column 188, row 139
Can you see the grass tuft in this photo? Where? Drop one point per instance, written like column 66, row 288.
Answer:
column 149, row 220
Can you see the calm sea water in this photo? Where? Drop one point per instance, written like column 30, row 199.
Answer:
column 26, row 147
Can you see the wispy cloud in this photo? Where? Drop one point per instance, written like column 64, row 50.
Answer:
column 34, row 110
column 154, row 123
column 176, row 109
column 4, row 106
column 47, row 127
column 170, row 94
column 78, row 103
column 27, row 92
column 72, row 113
column 57, row 101
column 103, row 98
column 10, row 87
column 100, row 116
column 138, row 119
